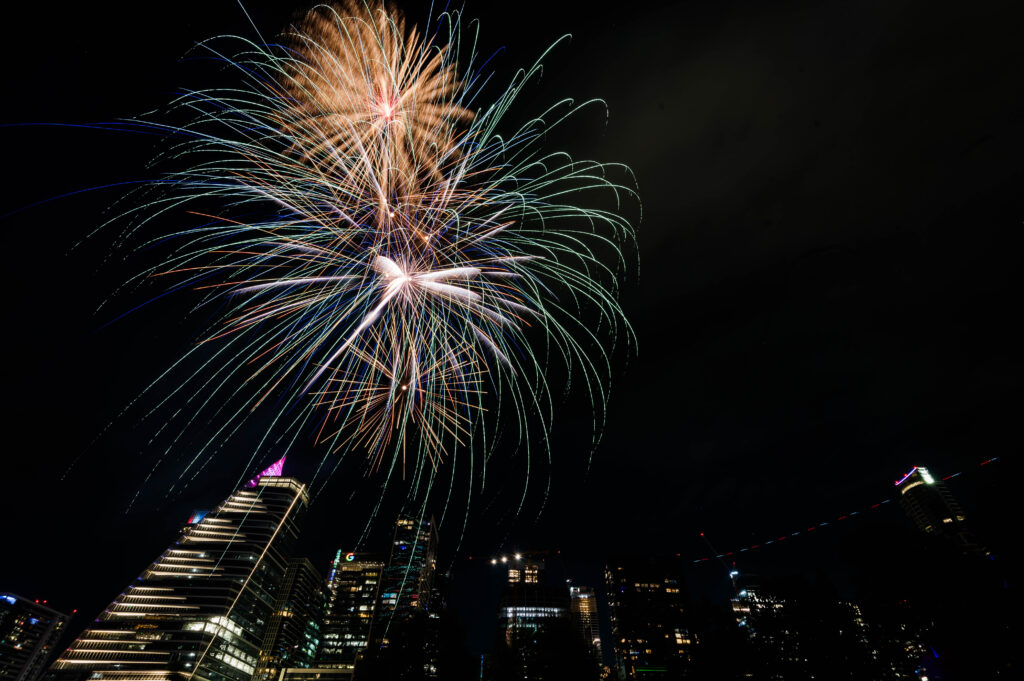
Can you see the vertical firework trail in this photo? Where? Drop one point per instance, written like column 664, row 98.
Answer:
column 393, row 271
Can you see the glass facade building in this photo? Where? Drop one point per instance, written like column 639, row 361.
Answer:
column 583, row 607
column 29, row 633
column 201, row 609
column 353, row 586
column 404, row 636
column 408, row 581
column 294, row 630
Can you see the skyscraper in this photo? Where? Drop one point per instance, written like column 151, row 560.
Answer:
column 408, row 580
column 583, row 607
column 294, row 630
column 537, row 636
column 200, row 610
column 931, row 507
column 649, row 630
column 353, row 585
column 405, row 631
column 528, row 602
column 29, row 631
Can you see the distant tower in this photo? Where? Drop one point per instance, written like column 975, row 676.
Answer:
column 767, row 618
column 528, row 603
column 583, row 604
column 798, row 630
column 29, row 631
column 649, row 629
column 294, row 630
column 931, row 507
column 538, row 637
column 199, row 612
column 353, row 586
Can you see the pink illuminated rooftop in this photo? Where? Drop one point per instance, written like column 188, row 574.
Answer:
column 274, row 470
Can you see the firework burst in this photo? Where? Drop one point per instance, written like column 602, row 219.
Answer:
column 387, row 263
column 362, row 85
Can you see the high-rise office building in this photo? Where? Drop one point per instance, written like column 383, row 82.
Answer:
column 408, row 581
column 353, row 585
column 650, row 633
column 200, row 610
column 294, row 630
column 404, row 634
column 528, row 602
column 29, row 632
column 540, row 621
column 583, row 607
column 929, row 504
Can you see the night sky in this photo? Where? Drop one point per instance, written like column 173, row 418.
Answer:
column 828, row 288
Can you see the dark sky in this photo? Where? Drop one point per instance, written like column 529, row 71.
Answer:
column 828, row 290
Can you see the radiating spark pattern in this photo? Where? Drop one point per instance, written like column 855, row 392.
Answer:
column 363, row 84
column 389, row 265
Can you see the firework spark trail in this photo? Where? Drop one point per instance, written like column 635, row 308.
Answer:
column 389, row 264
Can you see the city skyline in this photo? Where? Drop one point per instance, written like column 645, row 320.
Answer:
column 375, row 619
column 532, row 587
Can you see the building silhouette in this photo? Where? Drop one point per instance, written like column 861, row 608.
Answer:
column 650, row 634
column 29, row 634
column 537, row 636
column 799, row 629
column 528, row 601
column 200, row 610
